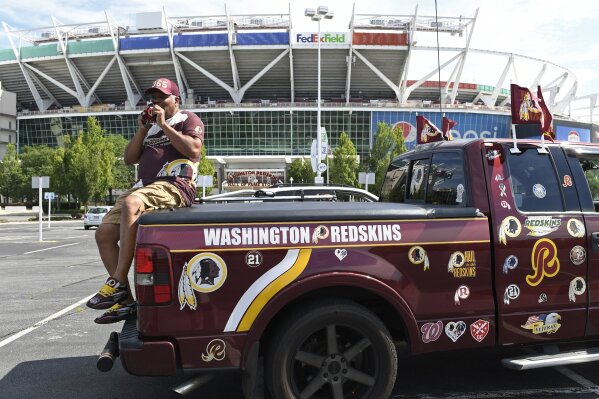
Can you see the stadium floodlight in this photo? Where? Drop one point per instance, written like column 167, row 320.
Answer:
column 320, row 13
column 323, row 10
column 310, row 12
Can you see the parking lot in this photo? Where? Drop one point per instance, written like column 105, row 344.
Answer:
column 49, row 343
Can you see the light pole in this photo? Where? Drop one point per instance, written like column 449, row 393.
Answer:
column 317, row 15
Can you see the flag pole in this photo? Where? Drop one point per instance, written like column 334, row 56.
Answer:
column 542, row 149
column 514, row 149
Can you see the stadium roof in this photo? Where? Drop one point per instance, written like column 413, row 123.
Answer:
column 241, row 59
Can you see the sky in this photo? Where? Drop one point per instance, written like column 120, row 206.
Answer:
column 562, row 32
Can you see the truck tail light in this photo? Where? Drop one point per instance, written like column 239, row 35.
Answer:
column 153, row 276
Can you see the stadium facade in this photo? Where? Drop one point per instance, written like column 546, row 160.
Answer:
column 253, row 81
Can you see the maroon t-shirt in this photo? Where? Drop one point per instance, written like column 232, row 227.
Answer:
column 161, row 161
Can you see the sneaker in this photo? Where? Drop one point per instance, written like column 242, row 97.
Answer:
column 118, row 312
column 111, row 293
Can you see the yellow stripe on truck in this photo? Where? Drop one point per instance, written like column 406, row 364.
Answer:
column 273, row 288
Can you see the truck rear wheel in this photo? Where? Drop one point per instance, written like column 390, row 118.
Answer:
column 331, row 349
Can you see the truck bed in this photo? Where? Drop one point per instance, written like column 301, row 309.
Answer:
column 305, row 211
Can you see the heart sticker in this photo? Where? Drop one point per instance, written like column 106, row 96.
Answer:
column 340, row 253
column 454, row 330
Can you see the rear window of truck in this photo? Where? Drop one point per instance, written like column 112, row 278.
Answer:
column 438, row 180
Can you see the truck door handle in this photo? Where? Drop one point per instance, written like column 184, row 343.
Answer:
column 595, row 241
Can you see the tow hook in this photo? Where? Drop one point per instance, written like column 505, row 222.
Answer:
column 109, row 353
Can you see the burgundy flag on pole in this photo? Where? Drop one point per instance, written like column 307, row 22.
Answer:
column 448, row 124
column 427, row 132
column 525, row 106
column 546, row 117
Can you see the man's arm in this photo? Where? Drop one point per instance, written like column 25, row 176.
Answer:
column 133, row 148
column 187, row 145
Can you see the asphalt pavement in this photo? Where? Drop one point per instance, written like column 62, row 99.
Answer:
column 49, row 343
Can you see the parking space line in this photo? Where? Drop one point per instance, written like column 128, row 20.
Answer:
column 46, row 249
column 577, row 378
column 566, row 372
column 519, row 393
column 42, row 322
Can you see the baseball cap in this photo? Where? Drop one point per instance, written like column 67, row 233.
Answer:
column 164, row 85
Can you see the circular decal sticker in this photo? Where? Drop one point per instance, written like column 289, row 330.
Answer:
column 511, row 292
column 578, row 255
column 539, row 191
column 253, row 258
column 575, row 228
column 463, row 292
column 510, row 263
column 577, row 287
column 510, row 227
column 457, row 259
column 416, row 255
column 207, row 272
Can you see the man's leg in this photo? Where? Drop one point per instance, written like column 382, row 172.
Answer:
column 130, row 212
column 107, row 239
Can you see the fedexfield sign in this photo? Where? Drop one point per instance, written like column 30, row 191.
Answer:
column 325, row 38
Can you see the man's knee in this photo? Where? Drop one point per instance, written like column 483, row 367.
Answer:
column 107, row 234
column 132, row 205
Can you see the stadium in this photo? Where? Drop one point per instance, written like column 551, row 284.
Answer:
column 253, row 80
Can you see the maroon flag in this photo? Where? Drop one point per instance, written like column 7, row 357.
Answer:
column 546, row 117
column 525, row 106
column 426, row 131
column 448, row 124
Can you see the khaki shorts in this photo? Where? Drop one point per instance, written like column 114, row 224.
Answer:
column 158, row 195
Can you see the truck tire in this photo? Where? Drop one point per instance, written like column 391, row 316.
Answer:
column 331, row 349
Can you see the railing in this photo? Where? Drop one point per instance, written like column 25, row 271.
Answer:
column 109, row 108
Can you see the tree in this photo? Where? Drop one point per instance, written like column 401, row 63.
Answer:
column 344, row 166
column 12, row 179
column 388, row 144
column 89, row 163
column 301, row 171
column 123, row 176
column 205, row 168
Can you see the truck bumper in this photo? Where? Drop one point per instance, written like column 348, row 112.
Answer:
column 145, row 358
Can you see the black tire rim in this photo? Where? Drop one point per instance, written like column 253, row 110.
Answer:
column 336, row 362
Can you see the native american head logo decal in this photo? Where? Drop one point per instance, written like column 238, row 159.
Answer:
column 205, row 272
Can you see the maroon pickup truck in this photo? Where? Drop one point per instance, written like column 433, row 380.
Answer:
column 472, row 245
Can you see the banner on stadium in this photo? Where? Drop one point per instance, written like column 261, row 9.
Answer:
column 237, row 179
column 326, row 38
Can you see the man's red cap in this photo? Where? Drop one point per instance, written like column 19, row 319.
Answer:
column 164, row 85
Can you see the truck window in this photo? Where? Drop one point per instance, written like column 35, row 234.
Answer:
column 446, row 185
column 394, row 185
column 590, row 168
column 418, row 179
column 589, row 164
column 534, row 182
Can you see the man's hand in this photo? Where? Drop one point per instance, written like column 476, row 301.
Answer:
column 159, row 113
column 142, row 123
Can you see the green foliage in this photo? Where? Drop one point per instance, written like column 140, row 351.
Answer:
column 344, row 166
column 206, row 167
column 123, row 176
column 301, row 171
column 89, row 163
column 12, row 179
column 388, row 144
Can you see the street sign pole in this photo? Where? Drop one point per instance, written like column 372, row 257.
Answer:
column 49, row 209
column 40, row 205
column 40, row 182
